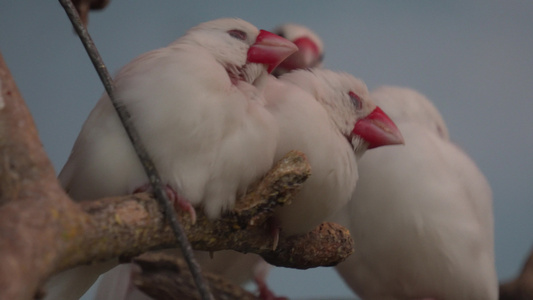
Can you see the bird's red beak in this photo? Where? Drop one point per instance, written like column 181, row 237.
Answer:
column 270, row 49
column 377, row 129
column 308, row 55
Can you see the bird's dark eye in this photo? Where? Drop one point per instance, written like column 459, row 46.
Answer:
column 238, row 34
column 321, row 57
column 356, row 100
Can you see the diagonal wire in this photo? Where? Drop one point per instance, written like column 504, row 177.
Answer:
column 147, row 163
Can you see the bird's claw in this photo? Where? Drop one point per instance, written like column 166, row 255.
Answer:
column 178, row 202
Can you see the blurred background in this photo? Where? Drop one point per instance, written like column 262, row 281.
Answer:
column 474, row 59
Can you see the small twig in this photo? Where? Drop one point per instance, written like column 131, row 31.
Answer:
column 147, row 163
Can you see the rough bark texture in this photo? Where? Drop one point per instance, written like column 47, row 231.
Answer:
column 42, row 231
column 129, row 225
column 35, row 214
column 166, row 277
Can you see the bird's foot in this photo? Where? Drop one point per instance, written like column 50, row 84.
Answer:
column 180, row 203
column 177, row 201
column 147, row 187
column 264, row 292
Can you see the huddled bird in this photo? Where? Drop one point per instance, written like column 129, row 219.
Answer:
column 331, row 118
column 310, row 52
column 198, row 106
column 421, row 215
column 241, row 268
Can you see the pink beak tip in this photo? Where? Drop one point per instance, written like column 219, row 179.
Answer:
column 377, row 129
column 270, row 49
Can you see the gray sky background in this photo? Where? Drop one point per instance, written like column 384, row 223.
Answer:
column 474, row 59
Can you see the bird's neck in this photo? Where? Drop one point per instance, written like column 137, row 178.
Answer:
column 254, row 74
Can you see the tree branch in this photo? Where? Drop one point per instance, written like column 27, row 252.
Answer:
column 164, row 275
column 34, row 209
column 131, row 225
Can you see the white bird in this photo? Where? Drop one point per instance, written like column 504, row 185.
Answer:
column 310, row 48
column 241, row 268
column 330, row 117
column 421, row 215
column 198, row 107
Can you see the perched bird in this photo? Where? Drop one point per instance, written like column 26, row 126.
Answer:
column 199, row 109
column 241, row 268
column 331, row 118
column 238, row 267
column 195, row 100
column 310, row 48
column 421, row 215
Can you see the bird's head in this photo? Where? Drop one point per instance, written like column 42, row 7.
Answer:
column 350, row 107
column 310, row 48
column 236, row 44
column 405, row 105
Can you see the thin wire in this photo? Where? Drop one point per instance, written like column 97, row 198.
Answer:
column 147, row 163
